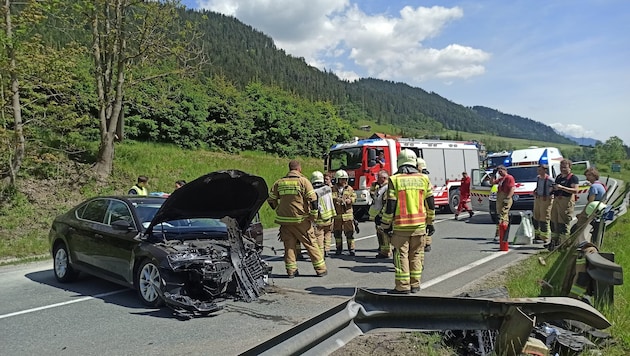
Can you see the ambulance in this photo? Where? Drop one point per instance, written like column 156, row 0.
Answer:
column 446, row 160
column 522, row 165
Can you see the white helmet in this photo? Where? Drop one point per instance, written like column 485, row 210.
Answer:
column 341, row 174
column 407, row 157
column 595, row 206
column 421, row 163
column 317, row 177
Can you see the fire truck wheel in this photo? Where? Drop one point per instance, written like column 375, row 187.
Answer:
column 453, row 200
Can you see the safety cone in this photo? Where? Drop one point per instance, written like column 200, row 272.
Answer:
column 503, row 243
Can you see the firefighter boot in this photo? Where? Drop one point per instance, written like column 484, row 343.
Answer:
column 503, row 243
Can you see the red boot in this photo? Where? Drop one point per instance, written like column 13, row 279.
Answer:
column 503, row 243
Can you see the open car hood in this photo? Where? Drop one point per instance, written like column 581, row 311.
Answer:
column 218, row 194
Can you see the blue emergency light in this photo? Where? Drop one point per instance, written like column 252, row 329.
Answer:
column 544, row 158
column 508, row 161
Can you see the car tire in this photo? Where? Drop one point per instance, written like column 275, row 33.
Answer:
column 149, row 284
column 61, row 264
column 453, row 200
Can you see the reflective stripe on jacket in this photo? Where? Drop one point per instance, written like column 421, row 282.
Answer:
column 290, row 197
column 344, row 211
column 410, row 192
column 326, row 206
column 378, row 202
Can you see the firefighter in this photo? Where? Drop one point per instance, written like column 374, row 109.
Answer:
column 343, row 224
column 464, row 197
column 325, row 212
column 543, row 199
column 295, row 202
column 505, row 191
column 565, row 188
column 378, row 190
column 409, row 214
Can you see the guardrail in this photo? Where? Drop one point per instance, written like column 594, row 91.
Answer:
column 366, row 311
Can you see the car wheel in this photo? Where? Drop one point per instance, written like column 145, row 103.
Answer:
column 149, row 284
column 61, row 264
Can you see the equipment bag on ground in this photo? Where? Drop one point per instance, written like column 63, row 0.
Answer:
column 525, row 233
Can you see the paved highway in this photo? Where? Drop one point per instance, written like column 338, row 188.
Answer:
column 39, row 316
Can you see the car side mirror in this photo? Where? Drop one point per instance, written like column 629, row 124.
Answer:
column 121, row 225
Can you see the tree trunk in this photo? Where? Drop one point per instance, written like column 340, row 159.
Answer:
column 18, row 125
column 105, row 159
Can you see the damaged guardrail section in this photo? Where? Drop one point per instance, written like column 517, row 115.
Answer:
column 366, row 311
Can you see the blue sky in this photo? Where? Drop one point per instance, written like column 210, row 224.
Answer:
column 563, row 63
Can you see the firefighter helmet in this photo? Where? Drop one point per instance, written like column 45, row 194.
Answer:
column 595, row 206
column 341, row 174
column 421, row 163
column 407, row 157
column 317, row 177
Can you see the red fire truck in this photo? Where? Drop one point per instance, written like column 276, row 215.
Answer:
column 446, row 160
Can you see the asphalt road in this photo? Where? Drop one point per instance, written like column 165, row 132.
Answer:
column 39, row 316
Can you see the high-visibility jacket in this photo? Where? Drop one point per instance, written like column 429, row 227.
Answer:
column 378, row 201
column 138, row 190
column 325, row 207
column 291, row 197
column 340, row 194
column 410, row 192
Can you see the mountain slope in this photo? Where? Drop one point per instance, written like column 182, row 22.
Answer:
column 244, row 54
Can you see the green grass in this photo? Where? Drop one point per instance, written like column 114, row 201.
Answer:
column 24, row 226
column 523, row 280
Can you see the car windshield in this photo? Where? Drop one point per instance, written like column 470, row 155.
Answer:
column 524, row 174
column 146, row 212
column 347, row 158
column 495, row 161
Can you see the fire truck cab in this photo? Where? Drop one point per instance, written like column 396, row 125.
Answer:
column 446, row 160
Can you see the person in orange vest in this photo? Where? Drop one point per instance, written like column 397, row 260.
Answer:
column 295, row 203
column 409, row 214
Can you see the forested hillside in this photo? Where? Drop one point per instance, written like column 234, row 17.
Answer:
column 245, row 54
column 79, row 75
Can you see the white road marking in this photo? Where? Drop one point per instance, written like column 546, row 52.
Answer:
column 453, row 273
column 63, row 303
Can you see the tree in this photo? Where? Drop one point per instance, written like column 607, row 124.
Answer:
column 18, row 18
column 127, row 35
column 612, row 150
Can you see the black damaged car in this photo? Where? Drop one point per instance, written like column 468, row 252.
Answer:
column 191, row 250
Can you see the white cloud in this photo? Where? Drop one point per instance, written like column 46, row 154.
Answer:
column 573, row 130
column 338, row 35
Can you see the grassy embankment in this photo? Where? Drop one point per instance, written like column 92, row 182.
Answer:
column 25, row 220
column 522, row 280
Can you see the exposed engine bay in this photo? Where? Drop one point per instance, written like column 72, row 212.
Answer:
column 202, row 273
